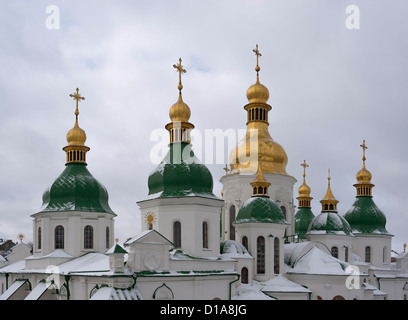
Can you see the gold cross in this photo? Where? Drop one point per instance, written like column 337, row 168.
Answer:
column 180, row 70
column 304, row 165
column 364, row 149
column 258, row 54
column 77, row 96
column 226, row 169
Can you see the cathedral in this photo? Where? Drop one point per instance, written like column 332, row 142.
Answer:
column 252, row 243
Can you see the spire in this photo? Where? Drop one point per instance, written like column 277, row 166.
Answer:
column 179, row 127
column 260, row 185
column 364, row 185
column 329, row 202
column 76, row 137
column 304, row 190
column 274, row 158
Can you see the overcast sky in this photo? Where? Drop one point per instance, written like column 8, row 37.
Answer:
column 330, row 87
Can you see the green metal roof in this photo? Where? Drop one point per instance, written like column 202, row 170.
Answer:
column 328, row 222
column 76, row 190
column 181, row 174
column 303, row 218
column 260, row 209
column 365, row 217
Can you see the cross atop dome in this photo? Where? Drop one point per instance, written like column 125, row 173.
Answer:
column 77, row 96
column 180, row 70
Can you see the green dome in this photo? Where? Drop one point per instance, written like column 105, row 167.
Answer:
column 260, row 209
column 329, row 222
column 76, row 190
column 303, row 218
column 365, row 217
column 181, row 174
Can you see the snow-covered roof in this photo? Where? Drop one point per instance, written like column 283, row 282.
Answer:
column 250, row 292
column 12, row 289
column 110, row 293
column 234, row 249
column 38, row 291
column 315, row 261
column 282, row 284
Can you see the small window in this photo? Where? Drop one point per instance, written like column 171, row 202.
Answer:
column 107, row 234
column 260, row 255
column 205, row 235
column 276, row 255
column 245, row 242
column 88, row 237
column 177, row 234
column 39, row 238
column 244, row 275
column 232, row 219
column 335, row 252
column 367, row 254
column 59, row 237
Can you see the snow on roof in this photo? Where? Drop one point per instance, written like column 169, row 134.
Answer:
column 282, row 284
column 250, row 292
column 234, row 249
column 90, row 262
column 110, row 293
column 59, row 253
column 38, row 291
column 375, row 290
column 12, row 289
column 315, row 261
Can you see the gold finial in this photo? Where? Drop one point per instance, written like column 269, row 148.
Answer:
column 405, row 246
column 226, row 169
column 364, row 149
column 21, row 237
column 117, row 240
column 304, row 165
column 180, row 70
column 76, row 96
column 258, row 54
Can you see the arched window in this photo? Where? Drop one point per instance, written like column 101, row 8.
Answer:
column 331, row 206
column 232, row 219
column 88, row 237
column 244, row 275
column 346, row 252
column 39, row 238
column 260, row 255
column 177, row 234
column 205, row 235
column 260, row 190
column 326, row 207
column 276, row 259
column 284, row 211
column 59, row 237
column 367, row 254
column 385, row 254
column 335, row 252
column 107, row 238
column 245, row 242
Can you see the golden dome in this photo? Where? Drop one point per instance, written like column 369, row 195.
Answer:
column 304, row 190
column 273, row 156
column 257, row 93
column 180, row 111
column 364, row 176
column 76, row 136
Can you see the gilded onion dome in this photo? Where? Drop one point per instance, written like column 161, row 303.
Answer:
column 76, row 189
column 76, row 137
column 304, row 215
column 364, row 216
column 180, row 173
column 257, row 140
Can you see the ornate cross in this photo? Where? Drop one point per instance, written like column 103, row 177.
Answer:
column 258, row 54
column 76, row 96
column 364, row 149
column 304, row 165
column 180, row 70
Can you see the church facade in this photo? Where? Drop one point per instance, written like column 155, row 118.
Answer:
column 253, row 242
